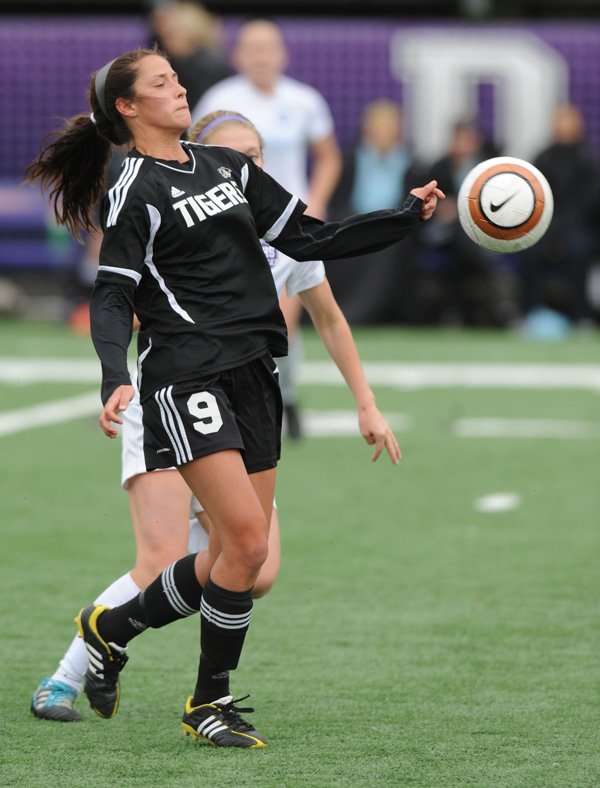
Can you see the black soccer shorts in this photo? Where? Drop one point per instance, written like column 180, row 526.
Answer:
column 239, row 408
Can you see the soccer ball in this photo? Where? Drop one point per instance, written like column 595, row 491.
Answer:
column 505, row 204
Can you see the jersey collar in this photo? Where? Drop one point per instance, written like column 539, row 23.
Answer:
column 189, row 168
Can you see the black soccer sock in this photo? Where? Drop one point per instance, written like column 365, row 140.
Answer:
column 175, row 594
column 225, row 616
column 122, row 623
column 212, row 683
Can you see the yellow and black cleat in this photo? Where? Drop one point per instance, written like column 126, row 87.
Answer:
column 106, row 661
column 219, row 723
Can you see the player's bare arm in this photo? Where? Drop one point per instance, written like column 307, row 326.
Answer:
column 336, row 335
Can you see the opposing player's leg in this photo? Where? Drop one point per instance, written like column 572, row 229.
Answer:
column 270, row 569
column 159, row 504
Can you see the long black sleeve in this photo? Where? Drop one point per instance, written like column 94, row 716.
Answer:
column 111, row 317
column 307, row 238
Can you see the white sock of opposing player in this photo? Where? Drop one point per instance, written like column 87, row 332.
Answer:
column 73, row 665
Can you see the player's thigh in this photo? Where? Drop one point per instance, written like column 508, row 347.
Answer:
column 238, row 504
column 160, row 503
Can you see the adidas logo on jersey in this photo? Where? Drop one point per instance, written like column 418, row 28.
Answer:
column 216, row 200
column 176, row 192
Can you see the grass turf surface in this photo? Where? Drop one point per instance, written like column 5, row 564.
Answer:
column 410, row 639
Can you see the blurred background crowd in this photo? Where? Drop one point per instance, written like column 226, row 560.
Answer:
column 346, row 103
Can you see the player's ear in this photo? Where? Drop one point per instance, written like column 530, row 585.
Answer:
column 126, row 107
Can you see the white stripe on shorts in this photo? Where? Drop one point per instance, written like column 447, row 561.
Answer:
column 168, row 420
column 180, row 424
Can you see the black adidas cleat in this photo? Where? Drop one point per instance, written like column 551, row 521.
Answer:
column 53, row 700
column 219, row 723
column 106, row 661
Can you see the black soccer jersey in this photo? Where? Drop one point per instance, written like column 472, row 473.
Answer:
column 181, row 248
column 185, row 235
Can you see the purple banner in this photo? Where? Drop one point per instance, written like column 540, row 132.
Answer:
column 512, row 73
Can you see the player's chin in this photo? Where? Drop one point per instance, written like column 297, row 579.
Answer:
column 184, row 118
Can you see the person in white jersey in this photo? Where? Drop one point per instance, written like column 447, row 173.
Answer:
column 296, row 124
column 159, row 501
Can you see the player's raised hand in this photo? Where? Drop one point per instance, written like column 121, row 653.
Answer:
column 430, row 194
column 115, row 404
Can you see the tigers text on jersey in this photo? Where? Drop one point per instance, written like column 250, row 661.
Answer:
column 188, row 236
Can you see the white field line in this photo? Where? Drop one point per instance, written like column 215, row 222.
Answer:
column 398, row 375
column 23, row 371
column 320, row 423
column 316, row 424
column 411, row 376
column 526, row 428
column 344, row 423
column 62, row 410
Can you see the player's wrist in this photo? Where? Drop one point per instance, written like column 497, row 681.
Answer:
column 366, row 403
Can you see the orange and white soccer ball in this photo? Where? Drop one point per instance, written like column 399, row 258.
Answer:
column 505, row 204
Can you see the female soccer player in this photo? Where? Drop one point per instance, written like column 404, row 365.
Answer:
column 160, row 501
column 181, row 248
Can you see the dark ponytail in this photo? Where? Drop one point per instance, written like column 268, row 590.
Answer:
column 73, row 160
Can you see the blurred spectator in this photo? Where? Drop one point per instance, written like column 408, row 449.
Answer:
column 191, row 37
column 293, row 118
column 555, row 270
column 466, row 284
column 377, row 173
column 296, row 125
column 548, row 321
column 374, row 171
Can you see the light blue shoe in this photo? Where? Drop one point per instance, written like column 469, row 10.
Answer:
column 53, row 700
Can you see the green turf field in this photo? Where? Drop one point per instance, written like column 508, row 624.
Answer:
column 411, row 640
